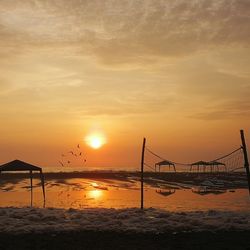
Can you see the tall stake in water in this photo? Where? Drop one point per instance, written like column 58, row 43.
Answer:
column 142, row 171
column 244, row 147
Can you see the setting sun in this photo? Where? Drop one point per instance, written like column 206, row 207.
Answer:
column 95, row 140
column 125, row 124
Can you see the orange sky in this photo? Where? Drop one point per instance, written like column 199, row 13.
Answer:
column 176, row 72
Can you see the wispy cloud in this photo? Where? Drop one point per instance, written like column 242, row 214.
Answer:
column 121, row 31
column 169, row 50
column 226, row 111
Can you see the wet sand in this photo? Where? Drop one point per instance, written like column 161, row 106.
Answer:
column 230, row 180
column 110, row 240
column 169, row 191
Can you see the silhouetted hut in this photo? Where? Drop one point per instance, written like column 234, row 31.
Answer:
column 199, row 164
column 17, row 165
column 217, row 164
column 164, row 163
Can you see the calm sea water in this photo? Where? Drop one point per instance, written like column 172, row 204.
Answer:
column 179, row 168
column 110, row 193
column 85, row 168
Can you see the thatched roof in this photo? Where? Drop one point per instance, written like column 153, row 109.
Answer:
column 18, row 165
column 216, row 163
column 164, row 163
column 200, row 163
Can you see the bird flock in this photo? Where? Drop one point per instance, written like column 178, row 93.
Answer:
column 72, row 155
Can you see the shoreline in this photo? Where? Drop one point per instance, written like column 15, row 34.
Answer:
column 221, row 180
column 111, row 174
column 19, row 220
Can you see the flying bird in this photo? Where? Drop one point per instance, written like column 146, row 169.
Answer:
column 61, row 163
column 80, row 153
column 68, row 162
column 78, row 145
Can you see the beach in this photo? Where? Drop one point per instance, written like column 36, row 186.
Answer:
column 168, row 191
column 100, row 210
column 33, row 228
column 108, row 240
column 230, row 180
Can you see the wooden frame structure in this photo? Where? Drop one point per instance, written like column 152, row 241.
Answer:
column 199, row 164
column 214, row 165
column 17, row 165
column 164, row 163
column 202, row 165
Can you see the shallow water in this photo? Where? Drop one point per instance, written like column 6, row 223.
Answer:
column 86, row 193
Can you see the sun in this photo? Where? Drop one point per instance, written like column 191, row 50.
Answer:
column 95, row 141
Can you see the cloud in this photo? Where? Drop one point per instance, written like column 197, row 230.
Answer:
column 132, row 105
column 4, row 85
column 128, row 31
column 126, row 57
column 234, row 109
column 71, row 97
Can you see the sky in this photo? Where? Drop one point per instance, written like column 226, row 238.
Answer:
column 175, row 72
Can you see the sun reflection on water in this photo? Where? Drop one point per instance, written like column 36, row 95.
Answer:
column 94, row 184
column 95, row 194
column 117, row 194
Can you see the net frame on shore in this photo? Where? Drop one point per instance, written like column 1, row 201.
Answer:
column 229, row 162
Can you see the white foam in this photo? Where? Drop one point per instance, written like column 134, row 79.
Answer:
column 27, row 220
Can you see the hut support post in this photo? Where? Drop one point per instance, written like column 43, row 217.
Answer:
column 244, row 147
column 142, row 172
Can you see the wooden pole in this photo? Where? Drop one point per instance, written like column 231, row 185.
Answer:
column 42, row 183
column 244, row 147
column 142, row 172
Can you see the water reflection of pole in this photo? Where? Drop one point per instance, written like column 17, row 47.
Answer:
column 42, row 183
column 31, row 189
column 244, row 147
column 142, row 171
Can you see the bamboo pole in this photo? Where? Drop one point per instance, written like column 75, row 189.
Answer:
column 244, row 147
column 142, row 172
column 43, row 188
